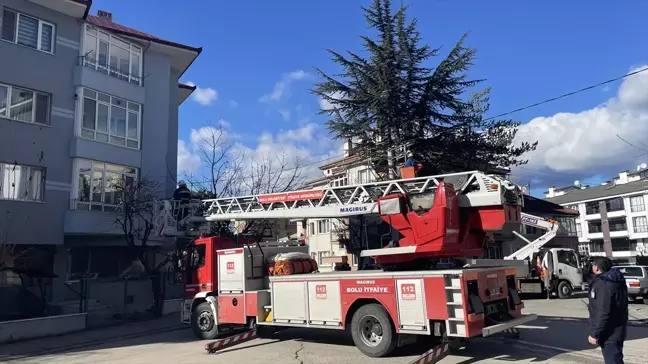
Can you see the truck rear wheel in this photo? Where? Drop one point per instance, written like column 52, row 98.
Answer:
column 564, row 289
column 372, row 331
column 203, row 322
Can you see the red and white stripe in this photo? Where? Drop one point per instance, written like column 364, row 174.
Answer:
column 230, row 341
column 433, row 355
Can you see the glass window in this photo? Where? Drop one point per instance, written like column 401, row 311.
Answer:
column 637, row 204
column 97, row 190
column 115, row 56
column 640, row 224
column 107, row 119
column 24, row 105
column 28, row 31
column 323, row 227
column 568, row 257
column 21, row 182
column 631, row 271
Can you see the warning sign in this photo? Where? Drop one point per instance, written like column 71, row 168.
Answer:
column 408, row 291
column 230, row 267
column 320, row 292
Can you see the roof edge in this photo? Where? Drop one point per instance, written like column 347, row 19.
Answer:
column 188, row 87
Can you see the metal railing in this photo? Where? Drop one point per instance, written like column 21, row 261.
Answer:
column 104, row 67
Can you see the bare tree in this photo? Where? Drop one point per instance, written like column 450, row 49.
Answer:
column 223, row 164
column 135, row 218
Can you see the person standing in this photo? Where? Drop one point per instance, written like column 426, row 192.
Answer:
column 608, row 310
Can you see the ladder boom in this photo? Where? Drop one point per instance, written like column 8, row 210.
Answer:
column 473, row 189
column 551, row 228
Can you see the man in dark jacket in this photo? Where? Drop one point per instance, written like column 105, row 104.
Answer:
column 608, row 310
column 182, row 196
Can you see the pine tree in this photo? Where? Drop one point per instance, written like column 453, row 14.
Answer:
column 390, row 100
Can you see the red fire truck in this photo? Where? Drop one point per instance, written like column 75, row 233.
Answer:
column 426, row 285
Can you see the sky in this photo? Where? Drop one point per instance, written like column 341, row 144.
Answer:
column 259, row 58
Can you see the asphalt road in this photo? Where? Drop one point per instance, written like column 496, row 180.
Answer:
column 558, row 336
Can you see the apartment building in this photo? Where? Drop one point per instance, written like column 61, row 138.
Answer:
column 616, row 208
column 84, row 100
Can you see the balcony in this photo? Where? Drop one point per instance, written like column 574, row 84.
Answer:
column 91, row 218
column 90, row 74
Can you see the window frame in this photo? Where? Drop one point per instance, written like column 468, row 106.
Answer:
column 109, row 104
column 41, row 187
column 639, row 229
column 80, row 171
column 637, row 207
column 133, row 49
column 326, row 224
column 39, row 36
column 35, row 93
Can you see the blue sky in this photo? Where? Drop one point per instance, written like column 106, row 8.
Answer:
column 527, row 51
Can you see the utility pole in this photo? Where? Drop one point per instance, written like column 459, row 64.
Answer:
column 605, row 226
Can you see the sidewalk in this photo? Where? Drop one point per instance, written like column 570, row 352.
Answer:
column 89, row 337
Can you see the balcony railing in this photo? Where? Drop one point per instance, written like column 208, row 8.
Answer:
column 104, row 67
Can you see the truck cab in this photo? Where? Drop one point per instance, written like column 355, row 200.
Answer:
column 566, row 266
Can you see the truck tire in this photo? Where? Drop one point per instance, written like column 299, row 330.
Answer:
column 203, row 322
column 564, row 289
column 372, row 331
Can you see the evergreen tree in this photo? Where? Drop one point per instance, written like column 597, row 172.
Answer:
column 390, row 101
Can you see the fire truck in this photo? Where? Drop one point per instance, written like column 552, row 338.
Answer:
column 432, row 282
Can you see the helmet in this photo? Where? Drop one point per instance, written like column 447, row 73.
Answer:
column 182, row 183
column 409, row 154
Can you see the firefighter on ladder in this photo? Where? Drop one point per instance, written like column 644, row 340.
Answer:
column 411, row 167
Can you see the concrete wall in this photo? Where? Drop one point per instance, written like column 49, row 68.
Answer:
column 43, row 146
column 41, row 327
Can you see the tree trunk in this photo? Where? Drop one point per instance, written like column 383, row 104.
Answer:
column 158, row 294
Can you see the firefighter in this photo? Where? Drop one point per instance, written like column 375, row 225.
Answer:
column 181, row 198
column 412, row 162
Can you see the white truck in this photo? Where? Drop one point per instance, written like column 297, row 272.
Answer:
column 562, row 264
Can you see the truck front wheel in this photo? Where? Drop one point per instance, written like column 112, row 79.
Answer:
column 372, row 331
column 203, row 322
column 564, row 289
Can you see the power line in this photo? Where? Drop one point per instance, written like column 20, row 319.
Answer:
column 568, row 94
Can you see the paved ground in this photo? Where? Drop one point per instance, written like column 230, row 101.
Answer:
column 558, row 336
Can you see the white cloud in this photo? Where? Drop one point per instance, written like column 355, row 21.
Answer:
column 233, row 104
column 281, row 89
column 305, row 146
column 330, row 105
column 585, row 143
column 187, row 162
column 203, row 96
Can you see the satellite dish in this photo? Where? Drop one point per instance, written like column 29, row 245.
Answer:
column 576, row 183
column 638, row 168
column 644, row 166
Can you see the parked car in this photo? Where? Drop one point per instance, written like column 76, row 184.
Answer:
column 637, row 280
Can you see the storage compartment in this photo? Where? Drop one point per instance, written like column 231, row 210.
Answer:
column 325, row 303
column 411, row 305
column 289, row 302
column 231, row 309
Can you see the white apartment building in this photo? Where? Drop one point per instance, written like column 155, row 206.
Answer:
column 625, row 199
column 326, row 237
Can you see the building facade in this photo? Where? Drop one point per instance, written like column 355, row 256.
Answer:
column 84, row 102
column 614, row 211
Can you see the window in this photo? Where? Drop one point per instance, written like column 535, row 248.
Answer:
column 618, row 224
column 320, row 258
column 97, row 185
column 111, row 55
column 20, row 182
column 579, row 231
column 110, row 119
column 635, row 272
column 592, row 208
column 311, row 229
column 28, row 31
column 637, row 204
column 364, row 176
column 566, row 226
column 21, row 104
column 640, row 224
column 615, row 204
column 323, row 227
column 568, row 257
